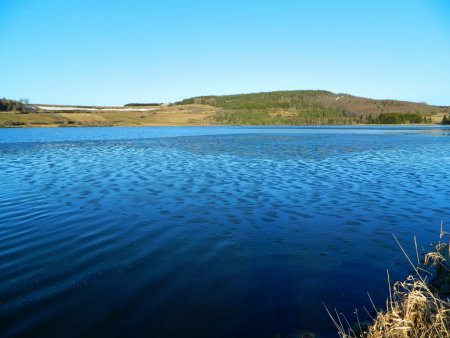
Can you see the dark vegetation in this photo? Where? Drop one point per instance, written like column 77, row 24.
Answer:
column 313, row 107
column 15, row 106
column 446, row 120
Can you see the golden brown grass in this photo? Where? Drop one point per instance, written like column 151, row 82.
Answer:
column 415, row 307
column 437, row 118
column 186, row 115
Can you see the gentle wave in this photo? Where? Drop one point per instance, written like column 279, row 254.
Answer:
column 243, row 233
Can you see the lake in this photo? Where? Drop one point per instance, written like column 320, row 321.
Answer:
column 210, row 231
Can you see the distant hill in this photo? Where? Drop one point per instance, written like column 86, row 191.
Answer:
column 313, row 107
column 301, row 107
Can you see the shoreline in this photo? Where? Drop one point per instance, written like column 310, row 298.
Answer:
column 54, row 126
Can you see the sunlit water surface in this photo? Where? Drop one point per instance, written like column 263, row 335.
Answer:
column 209, row 232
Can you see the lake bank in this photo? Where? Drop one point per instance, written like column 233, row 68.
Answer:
column 281, row 108
column 140, row 119
column 183, row 115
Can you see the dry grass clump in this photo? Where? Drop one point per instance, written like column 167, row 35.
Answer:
column 417, row 307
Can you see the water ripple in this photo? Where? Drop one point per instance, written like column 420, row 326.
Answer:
column 203, row 232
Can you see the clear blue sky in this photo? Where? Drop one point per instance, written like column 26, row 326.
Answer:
column 109, row 52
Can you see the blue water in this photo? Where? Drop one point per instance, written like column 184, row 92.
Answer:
column 210, row 231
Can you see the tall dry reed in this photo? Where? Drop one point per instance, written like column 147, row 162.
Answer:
column 417, row 307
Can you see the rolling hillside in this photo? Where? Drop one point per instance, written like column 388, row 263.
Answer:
column 315, row 107
column 308, row 107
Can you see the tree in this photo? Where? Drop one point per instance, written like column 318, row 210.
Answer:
column 445, row 120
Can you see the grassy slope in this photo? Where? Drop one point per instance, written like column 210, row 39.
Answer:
column 271, row 108
column 312, row 107
column 171, row 116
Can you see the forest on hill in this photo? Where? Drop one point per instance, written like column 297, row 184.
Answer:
column 313, row 107
column 304, row 107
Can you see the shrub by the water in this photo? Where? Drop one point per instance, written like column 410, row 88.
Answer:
column 446, row 120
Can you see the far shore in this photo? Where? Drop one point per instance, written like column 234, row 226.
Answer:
column 52, row 126
column 276, row 108
column 183, row 115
